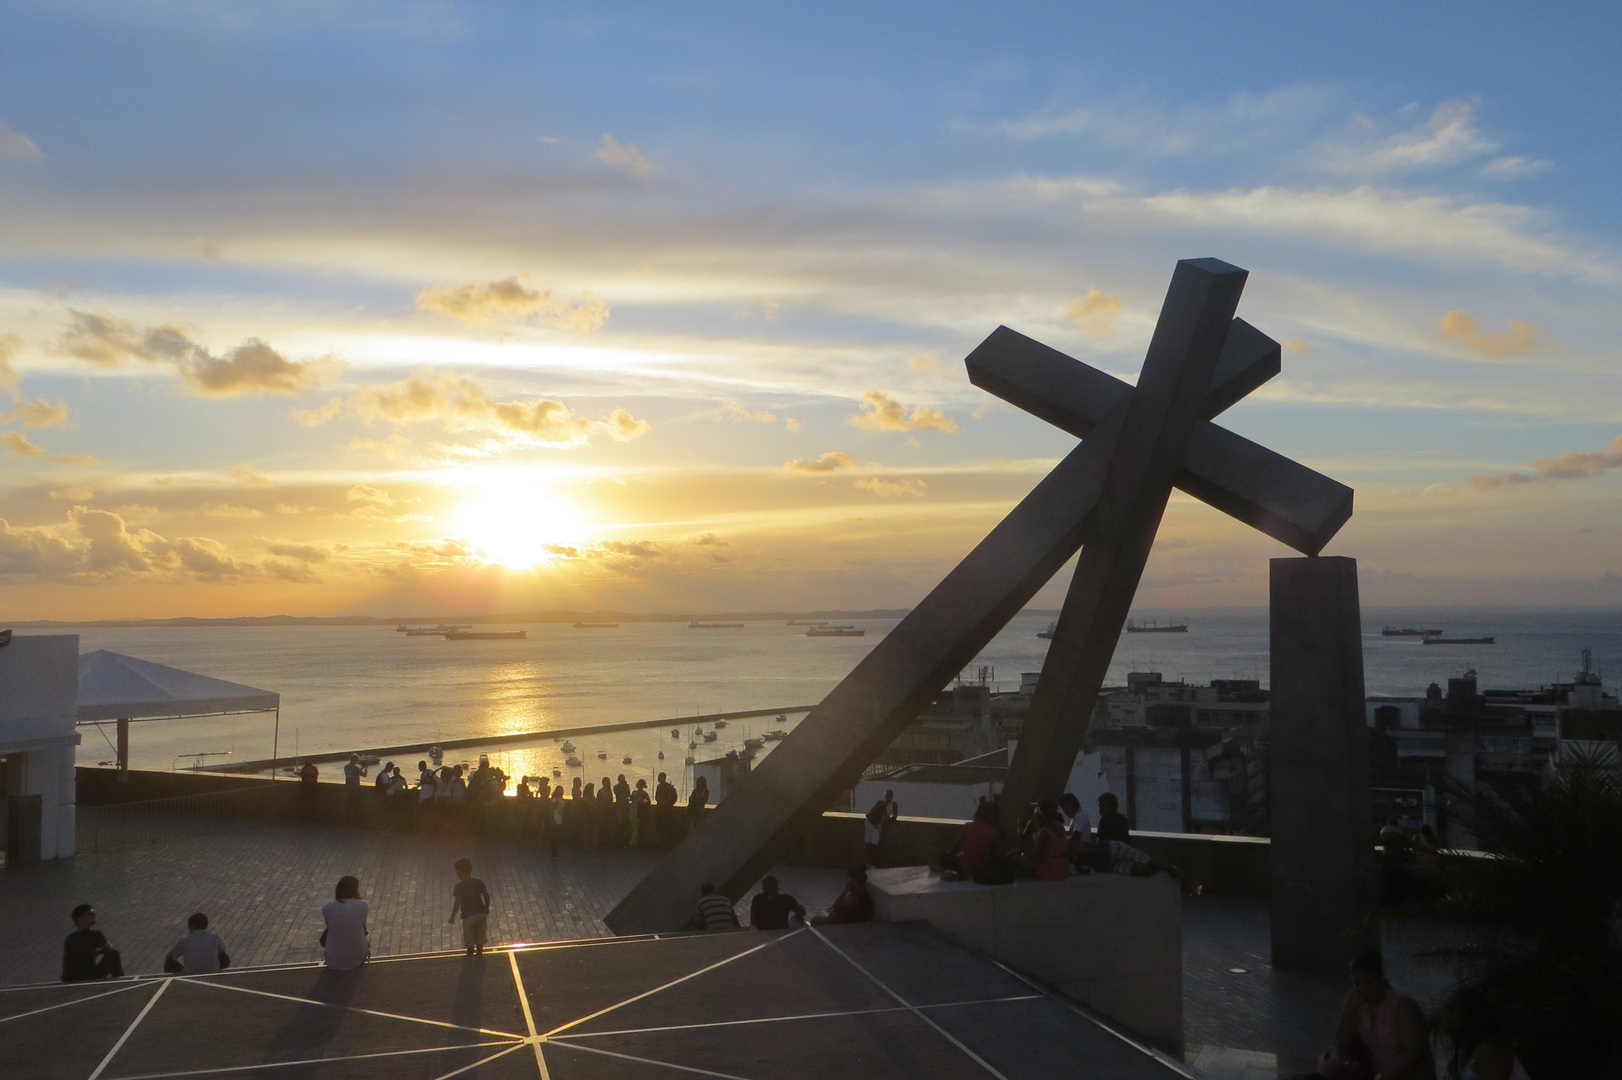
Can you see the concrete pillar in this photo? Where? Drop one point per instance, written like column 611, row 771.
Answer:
column 123, row 754
column 1322, row 837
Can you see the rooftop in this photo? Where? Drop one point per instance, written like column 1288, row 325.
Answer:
column 263, row 887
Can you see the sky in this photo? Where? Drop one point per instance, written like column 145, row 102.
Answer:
column 383, row 308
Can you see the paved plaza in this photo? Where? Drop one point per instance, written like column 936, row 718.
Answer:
column 263, row 887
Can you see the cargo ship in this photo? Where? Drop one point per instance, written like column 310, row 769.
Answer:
column 1407, row 631
column 1439, row 640
column 1156, row 628
column 835, row 631
column 486, row 635
column 696, row 625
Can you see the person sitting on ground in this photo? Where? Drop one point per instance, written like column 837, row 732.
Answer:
column 86, row 953
column 714, row 911
column 853, row 905
column 1112, row 824
column 345, row 936
column 199, row 951
column 770, row 909
column 1381, row 1033
column 977, row 847
column 1480, row 1051
column 1045, row 852
column 472, row 897
column 1076, row 822
column 1115, row 857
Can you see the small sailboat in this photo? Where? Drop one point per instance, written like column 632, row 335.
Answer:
column 572, row 761
column 690, row 760
column 568, row 747
column 710, row 736
column 661, row 755
column 626, row 760
column 602, row 755
column 675, row 733
column 556, row 771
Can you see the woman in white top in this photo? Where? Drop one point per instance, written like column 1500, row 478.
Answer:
column 345, row 935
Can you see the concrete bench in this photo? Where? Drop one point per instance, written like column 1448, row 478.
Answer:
column 1113, row 943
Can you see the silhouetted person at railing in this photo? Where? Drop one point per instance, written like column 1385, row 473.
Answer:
column 1076, row 822
column 641, row 808
column 879, row 817
column 622, row 808
column 86, row 953
column 770, row 909
column 427, row 788
column 308, row 777
column 602, row 819
column 397, row 798
column 472, row 897
column 697, row 800
column 664, row 818
column 853, row 905
column 1112, row 824
column 199, row 951
column 382, row 781
column 554, row 819
column 353, row 771
column 1381, row 1033
column 586, row 813
column 345, row 938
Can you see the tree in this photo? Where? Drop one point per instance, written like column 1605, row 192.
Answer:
column 1541, row 904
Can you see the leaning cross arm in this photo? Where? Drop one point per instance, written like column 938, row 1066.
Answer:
column 1278, row 496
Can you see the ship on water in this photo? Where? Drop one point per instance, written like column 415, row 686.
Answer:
column 596, row 626
column 835, row 631
column 1440, row 640
column 1407, row 631
column 486, row 635
column 1156, row 628
column 1047, row 635
column 696, row 625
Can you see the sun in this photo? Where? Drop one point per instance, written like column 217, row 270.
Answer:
column 520, row 527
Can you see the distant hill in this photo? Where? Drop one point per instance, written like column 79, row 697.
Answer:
column 510, row 617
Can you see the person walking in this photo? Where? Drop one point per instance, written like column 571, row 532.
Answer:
column 472, row 897
column 199, row 951
column 345, row 939
column 879, row 817
column 664, row 820
column 86, row 953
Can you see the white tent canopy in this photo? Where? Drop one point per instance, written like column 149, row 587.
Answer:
column 113, row 686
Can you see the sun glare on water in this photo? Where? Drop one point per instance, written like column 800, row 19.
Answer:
column 520, row 528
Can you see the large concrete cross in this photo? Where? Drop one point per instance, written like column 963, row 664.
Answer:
column 1105, row 497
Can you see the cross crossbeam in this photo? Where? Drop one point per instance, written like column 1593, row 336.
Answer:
column 1107, row 494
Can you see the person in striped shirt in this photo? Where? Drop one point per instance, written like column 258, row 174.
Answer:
column 714, row 911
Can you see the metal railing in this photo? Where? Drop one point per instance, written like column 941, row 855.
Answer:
column 104, row 828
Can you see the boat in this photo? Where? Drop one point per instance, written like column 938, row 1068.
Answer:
column 835, row 631
column 710, row 736
column 802, row 622
column 602, row 755
column 675, row 733
column 1156, row 628
column 661, row 755
column 1047, row 635
column 596, row 626
column 436, row 755
column 572, row 761
column 567, row 747
column 720, row 724
column 369, row 759
column 1407, row 631
column 400, row 629
column 556, row 771
column 774, row 735
column 425, row 633
column 486, row 635
column 746, row 754
column 690, row 760
column 1439, row 640
column 692, row 744
column 755, row 743
column 626, row 760
column 696, row 625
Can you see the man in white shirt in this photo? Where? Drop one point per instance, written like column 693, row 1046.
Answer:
column 199, row 951
column 1077, row 823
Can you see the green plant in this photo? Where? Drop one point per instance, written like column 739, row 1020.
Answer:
column 1540, row 906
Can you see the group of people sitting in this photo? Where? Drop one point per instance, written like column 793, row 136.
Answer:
column 774, row 909
column 1056, row 840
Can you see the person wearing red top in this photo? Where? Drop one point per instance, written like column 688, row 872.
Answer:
column 977, row 846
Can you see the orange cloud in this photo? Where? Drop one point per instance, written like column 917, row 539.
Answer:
column 911, row 485
column 17, row 445
column 459, row 403
column 251, row 368
column 1572, row 465
column 1521, row 337
column 1093, row 312
column 832, row 461
column 623, row 156
column 37, row 414
column 512, row 300
column 880, row 412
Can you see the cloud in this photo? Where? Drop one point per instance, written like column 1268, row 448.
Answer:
column 393, row 446
column 1514, row 168
column 9, row 344
column 37, row 414
column 98, row 545
column 253, row 367
column 298, row 552
column 319, row 416
column 623, row 156
column 248, row 476
column 911, row 485
column 230, row 510
column 1093, row 312
column 17, row 445
column 76, row 459
column 922, row 363
column 77, row 494
column 1521, row 337
column 513, row 300
column 736, row 411
column 832, row 461
column 882, row 413
column 366, row 493
column 1295, row 345
column 792, row 424
column 1572, row 465
column 1448, row 137
column 458, row 403
column 17, row 146
column 769, row 308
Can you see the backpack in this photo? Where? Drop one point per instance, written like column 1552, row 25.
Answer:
column 875, row 816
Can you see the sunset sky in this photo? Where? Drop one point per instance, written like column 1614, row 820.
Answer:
column 367, row 307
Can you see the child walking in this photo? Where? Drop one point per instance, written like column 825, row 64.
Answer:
column 472, row 898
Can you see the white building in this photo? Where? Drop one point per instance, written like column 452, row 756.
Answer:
column 39, row 696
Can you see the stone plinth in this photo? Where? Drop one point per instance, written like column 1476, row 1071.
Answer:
column 1113, row 943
